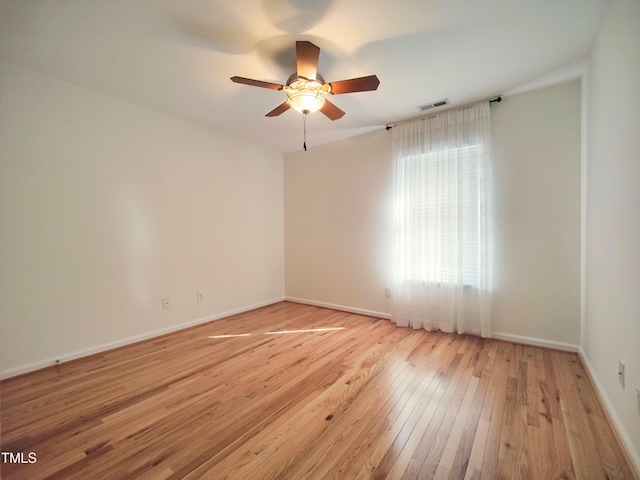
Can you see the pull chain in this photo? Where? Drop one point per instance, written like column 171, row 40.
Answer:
column 304, row 129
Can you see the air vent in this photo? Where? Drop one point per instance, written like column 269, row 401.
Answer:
column 429, row 106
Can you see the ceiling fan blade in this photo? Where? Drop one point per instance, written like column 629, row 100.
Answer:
column 256, row 83
column 361, row 84
column 283, row 107
column 331, row 111
column 307, row 56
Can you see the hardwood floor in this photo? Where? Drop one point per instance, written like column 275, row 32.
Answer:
column 291, row 391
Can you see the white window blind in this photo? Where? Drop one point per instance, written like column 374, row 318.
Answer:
column 429, row 199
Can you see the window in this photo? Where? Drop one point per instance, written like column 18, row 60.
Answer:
column 448, row 253
column 442, row 238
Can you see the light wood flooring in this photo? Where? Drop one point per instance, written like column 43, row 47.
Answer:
column 292, row 391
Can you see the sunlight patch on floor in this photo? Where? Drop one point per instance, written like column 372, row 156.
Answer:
column 280, row 332
column 305, row 331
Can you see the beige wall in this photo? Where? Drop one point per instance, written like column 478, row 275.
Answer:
column 612, row 227
column 338, row 219
column 107, row 207
column 536, row 152
column 337, row 223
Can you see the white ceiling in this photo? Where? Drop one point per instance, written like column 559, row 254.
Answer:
column 176, row 56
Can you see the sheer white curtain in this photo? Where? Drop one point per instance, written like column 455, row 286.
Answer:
column 442, row 247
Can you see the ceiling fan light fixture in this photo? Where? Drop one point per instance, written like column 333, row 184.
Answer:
column 306, row 101
column 305, row 96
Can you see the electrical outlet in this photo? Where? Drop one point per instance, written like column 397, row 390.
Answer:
column 621, row 372
column 638, row 394
column 387, row 292
column 166, row 303
column 200, row 297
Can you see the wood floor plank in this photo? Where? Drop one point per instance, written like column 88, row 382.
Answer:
column 346, row 433
column 366, row 460
column 496, row 413
column 264, row 456
column 463, row 454
column 392, row 460
column 291, row 391
column 582, row 445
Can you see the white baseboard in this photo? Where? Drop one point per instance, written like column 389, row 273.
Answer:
column 65, row 357
column 333, row 306
column 536, row 342
column 617, row 423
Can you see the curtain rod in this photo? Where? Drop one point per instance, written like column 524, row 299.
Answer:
column 497, row 99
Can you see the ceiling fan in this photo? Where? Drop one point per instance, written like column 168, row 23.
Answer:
column 306, row 89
